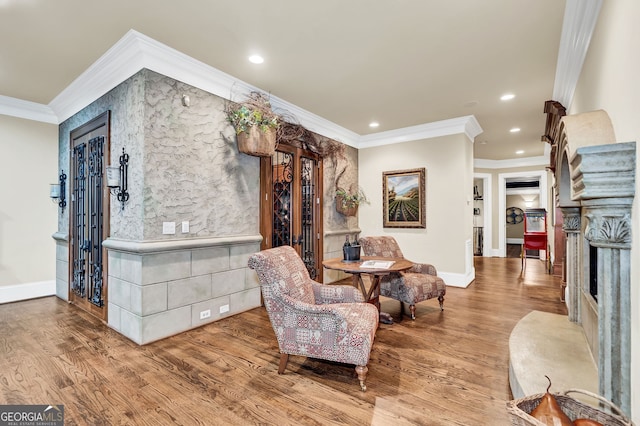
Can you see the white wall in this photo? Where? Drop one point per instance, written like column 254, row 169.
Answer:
column 28, row 218
column 609, row 81
column 449, row 202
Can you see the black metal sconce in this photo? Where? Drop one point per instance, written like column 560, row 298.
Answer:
column 117, row 177
column 58, row 190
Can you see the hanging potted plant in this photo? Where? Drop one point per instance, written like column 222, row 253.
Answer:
column 347, row 202
column 255, row 124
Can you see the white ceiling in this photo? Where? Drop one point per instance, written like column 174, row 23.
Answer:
column 401, row 63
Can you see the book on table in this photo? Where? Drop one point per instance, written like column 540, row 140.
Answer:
column 377, row 264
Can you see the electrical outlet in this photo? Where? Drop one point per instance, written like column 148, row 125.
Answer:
column 205, row 314
column 224, row 308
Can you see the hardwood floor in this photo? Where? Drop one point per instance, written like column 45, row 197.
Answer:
column 444, row 368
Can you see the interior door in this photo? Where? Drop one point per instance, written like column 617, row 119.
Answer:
column 291, row 205
column 89, row 216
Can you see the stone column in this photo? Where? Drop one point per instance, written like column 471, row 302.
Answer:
column 573, row 258
column 609, row 229
column 603, row 180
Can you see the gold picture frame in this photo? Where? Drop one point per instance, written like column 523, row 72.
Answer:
column 404, row 198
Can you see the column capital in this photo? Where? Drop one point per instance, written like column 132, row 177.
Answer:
column 609, row 230
column 571, row 222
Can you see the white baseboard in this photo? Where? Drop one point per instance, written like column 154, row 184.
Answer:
column 458, row 280
column 17, row 292
column 515, row 241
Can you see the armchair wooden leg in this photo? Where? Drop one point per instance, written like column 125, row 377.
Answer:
column 412, row 308
column 402, row 311
column 361, row 371
column 284, row 359
column 441, row 300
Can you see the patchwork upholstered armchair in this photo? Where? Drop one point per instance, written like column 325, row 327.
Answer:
column 329, row 322
column 419, row 283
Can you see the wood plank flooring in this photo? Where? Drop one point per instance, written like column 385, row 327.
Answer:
column 444, row 368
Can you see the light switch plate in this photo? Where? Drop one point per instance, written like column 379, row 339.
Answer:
column 168, row 228
column 185, row 227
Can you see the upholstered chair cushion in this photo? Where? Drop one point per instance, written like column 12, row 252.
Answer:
column 412, row 288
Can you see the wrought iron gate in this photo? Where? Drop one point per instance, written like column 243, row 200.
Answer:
column 89, row 217
column 88, row 214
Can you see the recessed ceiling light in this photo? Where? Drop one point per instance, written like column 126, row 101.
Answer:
column 256, row 59
column 520, row 152
column 374, row 124
column 515, row 130
column 507, row 97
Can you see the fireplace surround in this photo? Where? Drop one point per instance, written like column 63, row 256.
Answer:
column 595, row 187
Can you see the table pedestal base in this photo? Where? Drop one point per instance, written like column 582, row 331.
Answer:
column 373, row 295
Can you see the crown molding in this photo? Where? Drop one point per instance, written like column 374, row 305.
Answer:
column 511, row 163
column 26, row 109
column 136, row 51
column 120, row 62
column 580, row 17
column 467, row 125
column 472, row 128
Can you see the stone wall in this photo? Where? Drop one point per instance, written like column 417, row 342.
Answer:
column 336, row 225
column 183, row 166
column 158, row 289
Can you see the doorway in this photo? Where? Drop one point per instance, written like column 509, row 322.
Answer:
column 89, row 216
column 537, row 175
column 482, row 215
column 291, row 204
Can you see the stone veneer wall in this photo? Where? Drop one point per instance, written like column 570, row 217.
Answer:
column 184, row 165
column 159, row 289
column 336, row 225
column 62, row 265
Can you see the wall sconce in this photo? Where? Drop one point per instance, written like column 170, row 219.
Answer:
column 57, row 191
column 117, row 179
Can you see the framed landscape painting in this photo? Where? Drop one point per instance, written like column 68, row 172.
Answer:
column 404, row 204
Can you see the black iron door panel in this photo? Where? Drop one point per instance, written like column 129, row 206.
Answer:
column 89, row 216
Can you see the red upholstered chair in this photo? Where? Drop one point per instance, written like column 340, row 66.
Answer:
column 329, row 322
column 415, row 285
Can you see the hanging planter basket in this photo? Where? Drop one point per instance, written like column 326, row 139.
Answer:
column 345, row 209
column 257, row 142
column 255, row 124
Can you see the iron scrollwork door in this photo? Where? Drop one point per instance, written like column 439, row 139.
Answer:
column 292, row 205
column 88, row 221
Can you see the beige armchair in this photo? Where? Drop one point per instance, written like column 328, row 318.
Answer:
column 415, row 285
column 329, row 322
